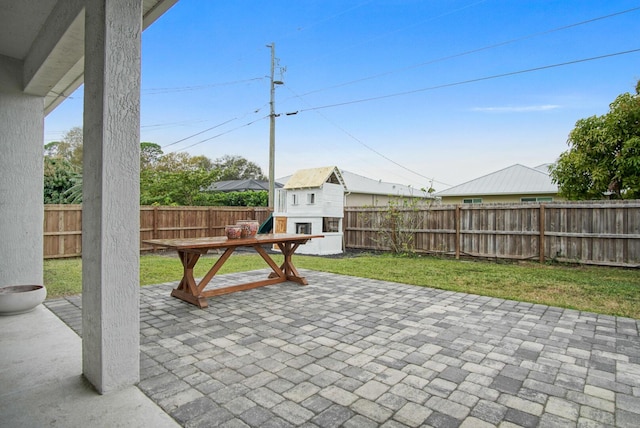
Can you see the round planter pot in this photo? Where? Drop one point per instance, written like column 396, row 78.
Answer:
column 18, row 299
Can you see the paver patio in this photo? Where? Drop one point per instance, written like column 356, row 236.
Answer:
column 353, row 352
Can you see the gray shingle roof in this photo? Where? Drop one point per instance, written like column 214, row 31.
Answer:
column 240, row 185
column 513, row 180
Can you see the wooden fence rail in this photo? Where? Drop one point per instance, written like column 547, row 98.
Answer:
column 604, row 233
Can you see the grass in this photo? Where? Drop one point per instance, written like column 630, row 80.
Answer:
column 606, row 290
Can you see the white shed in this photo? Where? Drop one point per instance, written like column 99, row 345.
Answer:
column 312, row 201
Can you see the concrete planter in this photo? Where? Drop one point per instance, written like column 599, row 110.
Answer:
column 17, row 299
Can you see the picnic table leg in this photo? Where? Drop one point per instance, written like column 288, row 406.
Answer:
column 214, row 269
column 290, row 271
column 187, row 290
column 277, row 270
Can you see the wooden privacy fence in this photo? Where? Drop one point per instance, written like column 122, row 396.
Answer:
column 62, row 231
column 63, row 225
column 604, row 233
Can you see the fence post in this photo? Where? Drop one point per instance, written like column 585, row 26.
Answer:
column 542, row 227
column 61, row 228
column 210, row 222
column 155, row 223
column 457, row 232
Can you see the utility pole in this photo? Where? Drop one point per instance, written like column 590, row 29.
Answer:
column 272, row 129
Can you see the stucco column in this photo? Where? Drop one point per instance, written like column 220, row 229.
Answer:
column 111, row 187
column 21, row 179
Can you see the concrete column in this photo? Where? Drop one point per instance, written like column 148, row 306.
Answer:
column 111, row 200
column 21, row 179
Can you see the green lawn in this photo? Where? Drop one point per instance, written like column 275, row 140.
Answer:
column 612, row 291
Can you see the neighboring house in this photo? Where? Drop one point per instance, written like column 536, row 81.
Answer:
column 312, row 202
column 362, row 191
column 240, row 186
column 517, row 183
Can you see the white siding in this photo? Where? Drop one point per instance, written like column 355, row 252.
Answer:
column 332, row 200
column 299, row 206
column 328, row 201
column 330, row 244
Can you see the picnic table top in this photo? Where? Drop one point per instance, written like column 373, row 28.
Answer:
column 224, row 242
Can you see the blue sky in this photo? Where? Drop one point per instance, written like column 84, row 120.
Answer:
column 406, row 91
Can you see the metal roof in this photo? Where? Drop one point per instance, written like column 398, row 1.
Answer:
column 514, row 180
column 355, row 183
column 359, row 184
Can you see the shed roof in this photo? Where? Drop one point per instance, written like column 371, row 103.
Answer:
column 513, row 180
column 314, row 177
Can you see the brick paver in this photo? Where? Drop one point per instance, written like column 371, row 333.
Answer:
column 353, row 352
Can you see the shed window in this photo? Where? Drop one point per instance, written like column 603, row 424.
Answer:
column 331, row 224
column 281, row 201
column 303, row 228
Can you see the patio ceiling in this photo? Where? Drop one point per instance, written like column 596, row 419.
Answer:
column 47, row 37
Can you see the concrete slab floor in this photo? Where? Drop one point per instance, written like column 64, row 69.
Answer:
column 42, row 384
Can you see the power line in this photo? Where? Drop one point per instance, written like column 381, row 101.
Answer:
column 353, row 137
column 201, row 132
column 156, row 91
column 323, row 20
column 403, row 28
column 190, row 88
column 213, row 127
column 479, row 79
column 335, row 15
column 170, row 124
column 481, row 49
column 223, row 133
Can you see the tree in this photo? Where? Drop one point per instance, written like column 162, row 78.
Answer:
column 182, row 162
column 603, row 160
column 181, row 179
column 174, row 178
column 69, row 149
column 63, row 169
column 149, row 155
column 175, row 188
column 165, row 179
column 250, row 198
column 238, row 168
column 59, row 176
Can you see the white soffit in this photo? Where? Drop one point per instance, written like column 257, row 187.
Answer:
column 47, row 36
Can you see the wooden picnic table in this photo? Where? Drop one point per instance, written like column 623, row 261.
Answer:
column 190, row 249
